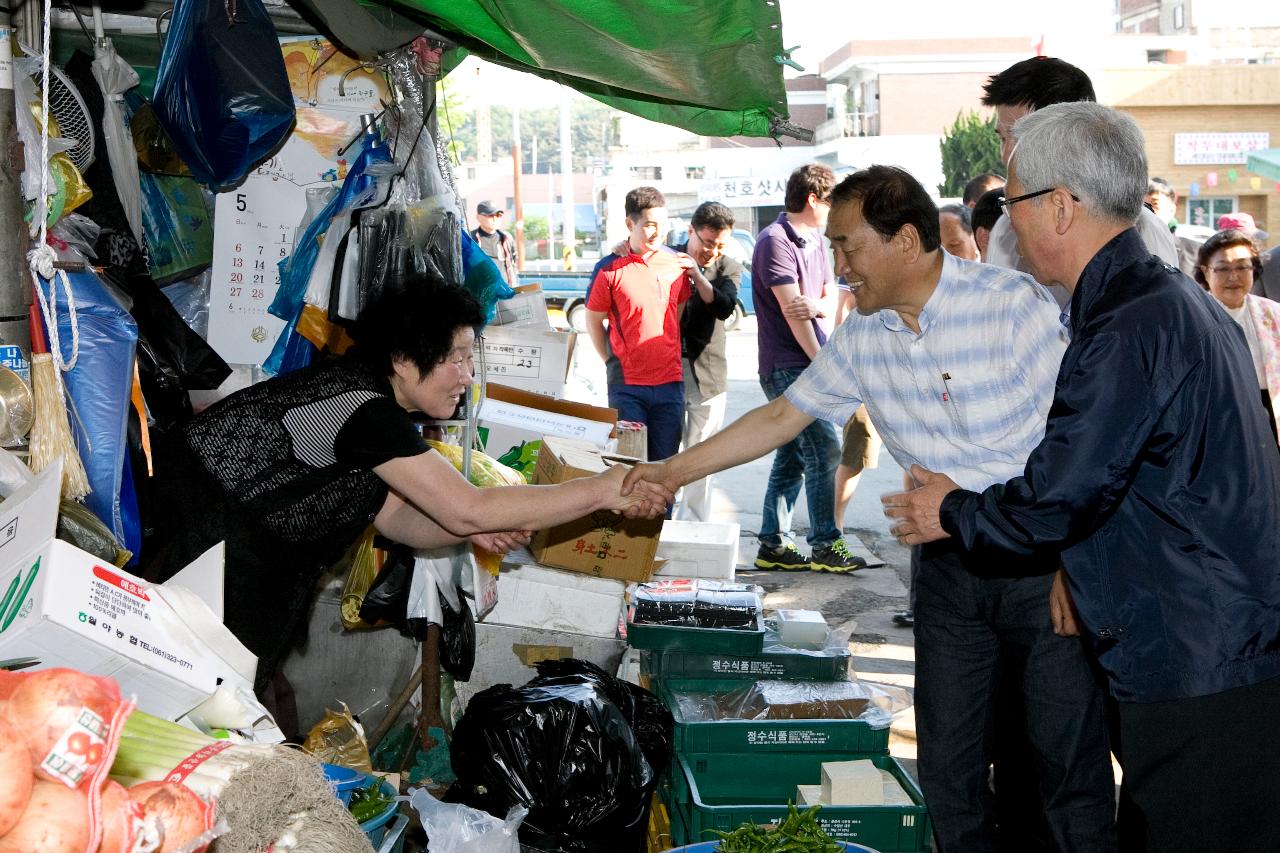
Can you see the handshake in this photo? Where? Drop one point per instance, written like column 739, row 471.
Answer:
column 643, row 491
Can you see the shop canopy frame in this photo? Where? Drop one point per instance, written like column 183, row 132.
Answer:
column 713, row 67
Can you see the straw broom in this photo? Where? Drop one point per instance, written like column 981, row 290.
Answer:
column 50, row 430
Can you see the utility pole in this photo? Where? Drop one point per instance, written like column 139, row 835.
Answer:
column 566, row 168
column 15, row 278
column 517, row 164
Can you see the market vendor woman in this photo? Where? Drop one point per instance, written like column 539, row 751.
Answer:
column 290, row 472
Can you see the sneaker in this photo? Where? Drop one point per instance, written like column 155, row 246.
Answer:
column 836, row 558
column 786, row 558
column 904, row 618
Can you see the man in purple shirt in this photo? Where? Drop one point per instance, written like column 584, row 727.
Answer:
column 794, row 290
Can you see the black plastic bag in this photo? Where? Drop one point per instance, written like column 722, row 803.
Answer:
column 222, row 93
column 388, row 597
column 580, row 749
column 457, row 638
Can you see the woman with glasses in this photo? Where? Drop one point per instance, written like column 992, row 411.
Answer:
column 290, row 472
column 1227, row 266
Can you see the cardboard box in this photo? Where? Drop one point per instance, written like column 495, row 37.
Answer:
column 531, row 359
column 603, row 544
column 67, row 608
column 526, row 310
column 533, row 596
column 510, row 419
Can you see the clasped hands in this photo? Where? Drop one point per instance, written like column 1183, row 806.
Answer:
column 918, row 511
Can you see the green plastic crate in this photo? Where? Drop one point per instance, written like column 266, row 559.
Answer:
column 723, row 641
column 781, row 666
column 759, row 736
column 722, row 792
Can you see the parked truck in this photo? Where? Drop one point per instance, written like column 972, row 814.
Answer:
column 567, row 291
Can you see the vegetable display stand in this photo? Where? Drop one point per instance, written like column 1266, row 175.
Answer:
column 778, row 665
column 761, row 736
column 724, row 791
column 724, row 641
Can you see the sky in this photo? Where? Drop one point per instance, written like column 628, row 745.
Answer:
column 819, row 27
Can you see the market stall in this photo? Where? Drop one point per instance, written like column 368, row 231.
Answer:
column 220, row 204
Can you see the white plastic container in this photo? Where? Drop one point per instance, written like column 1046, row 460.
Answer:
column 698, row 549
column 802, row 629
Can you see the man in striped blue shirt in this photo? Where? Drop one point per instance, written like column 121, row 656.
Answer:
column 954, row 361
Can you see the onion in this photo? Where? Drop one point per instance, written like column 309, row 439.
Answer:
column 120, row 815
column 49, row 702
column 56, row 820
column 178, row 813
column 15, row 776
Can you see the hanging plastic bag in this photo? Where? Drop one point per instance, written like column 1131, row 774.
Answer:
column 99, row 385
column 179, row 231
column 455, row 828
column 388, row 597
column 222, row 93
column 362, row 569
column 115, row 77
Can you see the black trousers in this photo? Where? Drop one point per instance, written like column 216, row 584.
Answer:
column 1205, row 772
column 967, row 631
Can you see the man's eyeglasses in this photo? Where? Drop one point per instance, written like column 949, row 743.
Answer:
column 1005, row 202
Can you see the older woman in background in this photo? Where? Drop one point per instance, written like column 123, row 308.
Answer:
column 1227, row 267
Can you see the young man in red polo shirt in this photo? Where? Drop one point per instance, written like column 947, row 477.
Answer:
column 640, row 292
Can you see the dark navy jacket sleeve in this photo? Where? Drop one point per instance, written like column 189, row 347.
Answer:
column 725, row 287
column 1103, row 415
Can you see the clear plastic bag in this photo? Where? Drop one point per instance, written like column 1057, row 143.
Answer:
column 455, row 828
column 869, row 702
column 697, row 603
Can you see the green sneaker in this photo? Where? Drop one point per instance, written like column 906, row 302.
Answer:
column 786, row 558
column 836, row 558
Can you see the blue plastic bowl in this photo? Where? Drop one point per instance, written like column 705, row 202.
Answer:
column 344, row 781
column 376, row 828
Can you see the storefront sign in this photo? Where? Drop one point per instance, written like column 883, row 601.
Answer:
column 1211, row 149
column 761, row 191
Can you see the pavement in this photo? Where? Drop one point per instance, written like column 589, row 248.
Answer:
column 863, row 601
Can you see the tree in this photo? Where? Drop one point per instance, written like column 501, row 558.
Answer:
column 591, row 126
column 969, row 148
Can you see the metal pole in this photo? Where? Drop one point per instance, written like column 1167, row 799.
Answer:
column 566, row 170
column 15, row 280
column 517, row 165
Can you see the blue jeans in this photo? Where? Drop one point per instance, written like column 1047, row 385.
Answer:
column 970, row 633
column 810, row 460
column 659, row 407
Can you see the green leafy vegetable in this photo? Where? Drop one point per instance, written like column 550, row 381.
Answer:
column 798, row 833
column 369, row 802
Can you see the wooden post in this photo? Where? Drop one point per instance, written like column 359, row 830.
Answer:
column 430, row 688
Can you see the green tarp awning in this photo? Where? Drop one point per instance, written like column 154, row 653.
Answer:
column 704, row 65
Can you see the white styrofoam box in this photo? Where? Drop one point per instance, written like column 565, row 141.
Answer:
column 507, row 655
column 802, row 628
column 698, row 549
column 533, row 596
column 852, row 783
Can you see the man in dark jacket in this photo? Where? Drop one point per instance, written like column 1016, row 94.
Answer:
column 1158, row 483
column 706, row 372
column 494, row 242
